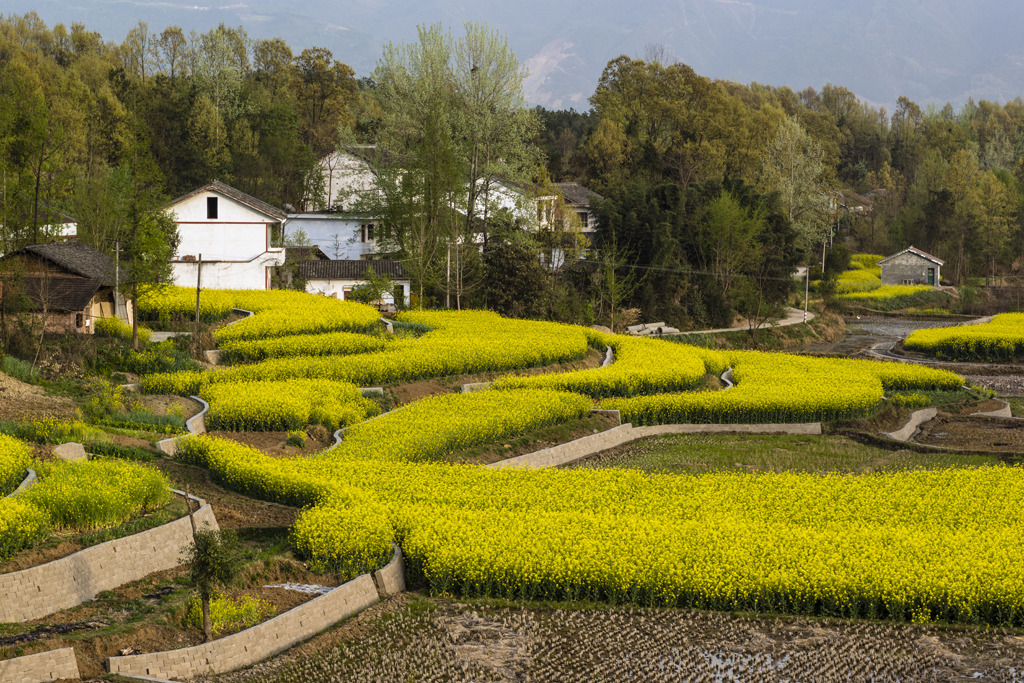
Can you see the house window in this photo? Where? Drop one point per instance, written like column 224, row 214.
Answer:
column 80, row 320
column 211, row 208
column 367, row 233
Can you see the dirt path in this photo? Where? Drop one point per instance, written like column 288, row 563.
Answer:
column 20, row 401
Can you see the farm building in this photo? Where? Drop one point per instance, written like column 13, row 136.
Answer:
column 911, row 267
column 70, row 282
column 339, row 278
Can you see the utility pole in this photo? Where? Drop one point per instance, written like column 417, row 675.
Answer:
column 199, row 276
column 807, row 289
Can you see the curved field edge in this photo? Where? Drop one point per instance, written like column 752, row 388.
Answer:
column 881, row 546
column 1002, row 339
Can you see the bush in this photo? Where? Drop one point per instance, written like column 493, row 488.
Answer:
column 119, row 329
column 20, row 370
column 110, row 450
column 162, row 357
column 297, row 438
column 227, row 615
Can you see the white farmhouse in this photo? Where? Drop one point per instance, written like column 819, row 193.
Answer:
column 232, row 232
column 338, row 278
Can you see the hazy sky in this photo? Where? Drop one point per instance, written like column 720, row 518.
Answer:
column 933, row 51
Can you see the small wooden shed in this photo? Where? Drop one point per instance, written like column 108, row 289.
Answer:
column 71, row 282
column 911, row 267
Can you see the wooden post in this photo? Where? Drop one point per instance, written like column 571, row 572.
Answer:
column 199, row 279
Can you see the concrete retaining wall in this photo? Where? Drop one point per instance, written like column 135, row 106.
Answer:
column 195, row 424
column 29, row 480
column 1005, row 411
column 42, row 666
column 917, row 418
column 254, row 644
column 390, row 580
column 566, row 453
column 38, row 591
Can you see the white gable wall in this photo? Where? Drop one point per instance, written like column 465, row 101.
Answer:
column 235, row 246
column 239, row 233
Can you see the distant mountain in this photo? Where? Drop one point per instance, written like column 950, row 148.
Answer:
column 932, row 51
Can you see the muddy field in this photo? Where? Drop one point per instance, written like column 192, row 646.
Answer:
column 434, row 639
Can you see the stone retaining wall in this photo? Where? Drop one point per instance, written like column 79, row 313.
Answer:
column 38, row 591
column 596, row 443
column 42, row 666
column 254, row 644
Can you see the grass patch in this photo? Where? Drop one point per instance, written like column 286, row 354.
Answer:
column 704, row 453
column 1016, row 405
column 111, row 450
column 533, row 441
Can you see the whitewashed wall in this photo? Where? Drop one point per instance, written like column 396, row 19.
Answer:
column 339, row 288
column 237, row 234
column 253, row 274
column 322, row 228
column 346, row 177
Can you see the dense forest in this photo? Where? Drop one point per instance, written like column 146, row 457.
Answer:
column 713, row 190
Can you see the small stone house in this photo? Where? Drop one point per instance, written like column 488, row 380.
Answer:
column 337, row 278
column 911, row 267
column 72, row 282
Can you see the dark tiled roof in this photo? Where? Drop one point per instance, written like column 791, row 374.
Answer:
column 239, row 196
column 349, row 269
column 60, row 293
column 916, row 252
column 575, row 193
column 299, row 254
column 76, row 258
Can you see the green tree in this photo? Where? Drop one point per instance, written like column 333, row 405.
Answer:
column 212, row 561
column 794, row 168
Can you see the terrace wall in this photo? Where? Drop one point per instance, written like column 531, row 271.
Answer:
column 42, row 666
column 38, row 591
column 566, row 453
column 271, row 637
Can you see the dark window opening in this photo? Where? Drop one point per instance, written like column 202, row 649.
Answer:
column 211, row 207
column 80, row 320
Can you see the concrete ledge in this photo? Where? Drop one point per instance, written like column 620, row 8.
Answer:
column 213, row 356
column 727, row 378
column 917, row 418
column 372, row 391
column 254, row 644
column 476, row 386
column 565, row 453
column 195, row 424
column 47, row 588
column 804, row 428
column 388, row 325
column 1005, row 411
column 29, row 480
column 42, row 666
column 609, row 357
column 390, row 579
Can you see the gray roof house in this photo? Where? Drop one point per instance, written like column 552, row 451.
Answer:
column 337, row 278
column 911, row 267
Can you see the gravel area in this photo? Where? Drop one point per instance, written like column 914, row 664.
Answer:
column 1003, row 385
